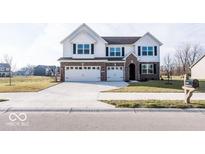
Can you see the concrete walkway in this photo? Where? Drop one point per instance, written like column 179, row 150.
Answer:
column 145, row 96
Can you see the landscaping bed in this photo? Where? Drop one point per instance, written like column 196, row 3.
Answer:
column 26, row 84
column 155, row 103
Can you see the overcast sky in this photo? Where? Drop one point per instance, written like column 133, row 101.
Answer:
column 40, row 43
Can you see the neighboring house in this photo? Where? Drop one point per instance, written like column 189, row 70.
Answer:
column 43, row 70
column 198, row 69
column 4, row 70
column 24, row 72
column 90, row 57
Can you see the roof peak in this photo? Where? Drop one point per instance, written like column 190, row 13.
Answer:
column 122, row 36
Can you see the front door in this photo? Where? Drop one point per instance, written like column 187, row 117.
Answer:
column 132, row 72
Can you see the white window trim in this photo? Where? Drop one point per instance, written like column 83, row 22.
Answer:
column 115, row 51
column 147, row 50
column 83, row 49
column 147, row 68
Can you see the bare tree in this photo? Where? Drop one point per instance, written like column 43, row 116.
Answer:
column 196, row 53
column 188, row 54
column 9, row 60
column 182, row 55
column 168, row 67
column 177, row 67
column 29, row 69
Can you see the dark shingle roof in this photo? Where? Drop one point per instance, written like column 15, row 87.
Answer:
column 4, row 65
column 121, row 40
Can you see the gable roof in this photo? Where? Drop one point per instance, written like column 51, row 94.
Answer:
column 154, row 38
column 121, row 40
column 4, row 65
column 111, row 39
column 197, row 61
column 130, row 53
column 75, row 32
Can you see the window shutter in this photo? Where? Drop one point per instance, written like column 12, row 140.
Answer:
column 140, row 68
column 92, row 48
column 155, row 69
column 123, row 51
column 139, row 50
column 155, row 50
column 74, row 48
column 107, row 51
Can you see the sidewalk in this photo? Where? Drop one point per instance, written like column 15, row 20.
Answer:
column 145, row 96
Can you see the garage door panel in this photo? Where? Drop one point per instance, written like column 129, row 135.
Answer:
column 115, row 73
column 78, row 73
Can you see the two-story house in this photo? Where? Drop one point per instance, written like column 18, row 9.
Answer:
column 44, row 70
column 90, row 57
column 4, row 70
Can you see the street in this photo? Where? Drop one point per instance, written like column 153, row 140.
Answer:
column 110, row 121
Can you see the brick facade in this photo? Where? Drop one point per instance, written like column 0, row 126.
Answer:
column 103, row 66
column 155, row 76
column 131, row 59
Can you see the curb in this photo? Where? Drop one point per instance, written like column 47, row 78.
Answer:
column 20, row 109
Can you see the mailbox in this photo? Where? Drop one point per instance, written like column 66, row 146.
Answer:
column 194, row 83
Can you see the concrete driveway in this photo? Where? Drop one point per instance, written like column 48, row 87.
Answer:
column 68, row 94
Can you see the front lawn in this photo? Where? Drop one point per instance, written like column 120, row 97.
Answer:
column 158, row 86
column 26, row 84
column 155, row 103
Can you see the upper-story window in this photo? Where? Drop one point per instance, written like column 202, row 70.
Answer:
column 147, row 51
column 83, row 48
column 115, row 51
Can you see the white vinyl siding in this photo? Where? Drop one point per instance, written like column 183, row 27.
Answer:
column 148, row 41
column 197, row 71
